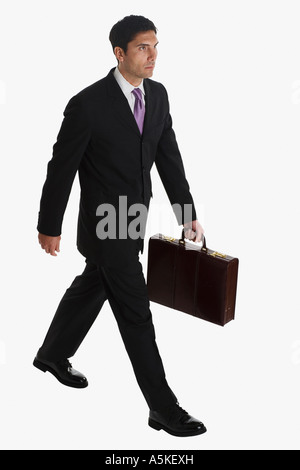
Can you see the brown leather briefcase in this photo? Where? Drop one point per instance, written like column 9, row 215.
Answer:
column 192, row 279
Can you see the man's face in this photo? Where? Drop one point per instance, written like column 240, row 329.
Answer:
column 139, row 60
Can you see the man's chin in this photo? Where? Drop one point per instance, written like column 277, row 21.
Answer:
column 149, row 72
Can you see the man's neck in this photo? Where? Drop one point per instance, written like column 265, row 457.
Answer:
column 134, row 81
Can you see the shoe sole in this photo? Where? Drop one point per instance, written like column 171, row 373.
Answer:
column 157, row 426
column 44, row 368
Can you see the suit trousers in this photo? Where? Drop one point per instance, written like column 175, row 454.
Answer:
column 126, row 290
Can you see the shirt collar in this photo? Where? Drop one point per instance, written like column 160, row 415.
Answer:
column 125, row 86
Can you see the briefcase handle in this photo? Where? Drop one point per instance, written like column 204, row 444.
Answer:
column 182, row 241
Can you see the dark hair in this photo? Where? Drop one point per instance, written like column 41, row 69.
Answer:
column 126, row 29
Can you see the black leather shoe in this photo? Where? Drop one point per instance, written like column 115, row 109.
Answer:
column 175, row 421
column 63, row 372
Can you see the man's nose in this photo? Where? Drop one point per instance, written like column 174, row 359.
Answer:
column 152, row 54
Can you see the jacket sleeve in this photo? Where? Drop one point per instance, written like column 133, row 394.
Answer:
column 171, row 171
column 72, row 140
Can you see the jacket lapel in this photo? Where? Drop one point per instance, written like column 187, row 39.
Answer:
column 149, row 107
column 120, row 104
column 122, row 109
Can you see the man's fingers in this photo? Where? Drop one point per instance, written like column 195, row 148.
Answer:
column 190, row 234
column 199, row 237
column 193, row 231
column 194, row 236
column 49, row 244
column 50, row 250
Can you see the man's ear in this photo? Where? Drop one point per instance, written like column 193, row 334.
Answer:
column 119, row 53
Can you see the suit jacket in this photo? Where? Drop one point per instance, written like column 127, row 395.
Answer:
column 100, row 139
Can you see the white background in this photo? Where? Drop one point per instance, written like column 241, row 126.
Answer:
column 232, row 71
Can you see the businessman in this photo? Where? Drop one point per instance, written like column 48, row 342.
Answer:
column 112, row 133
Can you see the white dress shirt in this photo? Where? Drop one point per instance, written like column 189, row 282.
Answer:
column 127, row 88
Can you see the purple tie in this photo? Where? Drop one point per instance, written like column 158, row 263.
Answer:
column 139, row 109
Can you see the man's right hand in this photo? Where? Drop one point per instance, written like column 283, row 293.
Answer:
column 49, row 244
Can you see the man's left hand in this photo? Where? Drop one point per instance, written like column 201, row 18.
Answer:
column 193, row 231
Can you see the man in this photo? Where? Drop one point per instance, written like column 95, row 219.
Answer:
column 112, row 133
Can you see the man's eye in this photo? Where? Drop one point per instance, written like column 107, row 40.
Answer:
column 142, row 48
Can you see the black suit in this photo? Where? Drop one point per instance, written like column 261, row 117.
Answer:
column 100, row 138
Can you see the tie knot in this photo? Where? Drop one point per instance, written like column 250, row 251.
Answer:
column 137, row 93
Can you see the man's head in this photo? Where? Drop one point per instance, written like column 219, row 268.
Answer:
column 134, row 42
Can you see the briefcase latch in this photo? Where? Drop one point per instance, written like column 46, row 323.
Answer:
column 169, row 239
column 219, row 255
